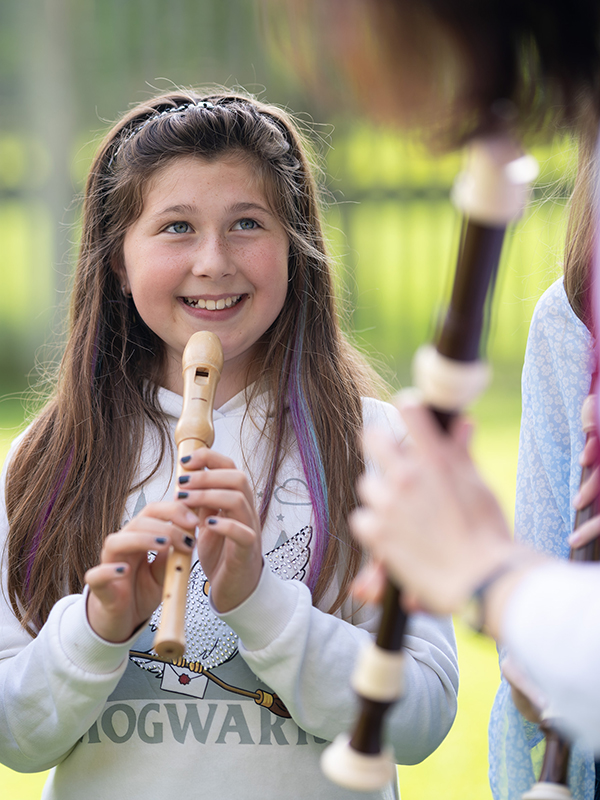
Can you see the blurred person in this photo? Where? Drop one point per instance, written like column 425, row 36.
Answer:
column 454, row 70
column 557, row 376
column 438, row 530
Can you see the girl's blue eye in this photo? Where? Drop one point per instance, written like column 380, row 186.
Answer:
column 178, row 227
column 247, row 224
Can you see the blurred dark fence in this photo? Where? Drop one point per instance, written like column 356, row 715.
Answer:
column 69, row 67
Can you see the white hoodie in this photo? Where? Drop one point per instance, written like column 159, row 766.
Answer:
column 118, row 725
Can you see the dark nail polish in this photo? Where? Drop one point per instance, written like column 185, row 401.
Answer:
column 182, row 495
column 161, row 540
column 184, row 479
column 212, row 520
column 187, row 540
column 185, row 459
column 120, row 570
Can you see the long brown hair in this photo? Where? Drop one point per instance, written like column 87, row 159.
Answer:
column 69, row 480
column 578, row 257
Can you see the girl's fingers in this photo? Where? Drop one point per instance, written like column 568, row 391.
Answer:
column 585, row 533
column 242, row 535
column 125, row 586
column 589, row 455
column 231, row 556
column 215, row 479
column 231, row 480
column 119, row 546
column 113, row 610
column 231, row 503
column 130, row 543
column 171, row 512
column 205, row 458
column 588, row 491
column 213, row 483
column 102, row 577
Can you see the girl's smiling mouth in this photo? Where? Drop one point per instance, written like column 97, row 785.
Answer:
column 213, row 305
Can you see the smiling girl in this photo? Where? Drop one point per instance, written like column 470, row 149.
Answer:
column 200, row 214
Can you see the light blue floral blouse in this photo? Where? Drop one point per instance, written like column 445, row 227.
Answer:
column 556, row 380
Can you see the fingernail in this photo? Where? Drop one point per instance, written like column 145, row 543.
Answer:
column 184, row 479
column 211, row 520
column 191, row 517
column 188, row 540
column 185, row 459
column 576, row 499
column 182, row 495
column 161, row 540
column 573, row 539
column 119, row 570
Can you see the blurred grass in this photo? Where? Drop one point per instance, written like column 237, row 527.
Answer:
column 16, row 786
column 458, row 769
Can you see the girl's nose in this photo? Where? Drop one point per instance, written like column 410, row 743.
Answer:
column 212, row 259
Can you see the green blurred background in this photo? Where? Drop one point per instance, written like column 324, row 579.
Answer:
column 68, row 68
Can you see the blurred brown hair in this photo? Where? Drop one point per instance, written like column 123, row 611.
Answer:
column 443, row 66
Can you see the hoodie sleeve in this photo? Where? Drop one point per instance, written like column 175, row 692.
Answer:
column 307, row 657
column 52, row 687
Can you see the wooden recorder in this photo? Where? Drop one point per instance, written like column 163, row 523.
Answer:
column 202, row 365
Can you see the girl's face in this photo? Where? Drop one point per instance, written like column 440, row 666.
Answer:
column 207, row 253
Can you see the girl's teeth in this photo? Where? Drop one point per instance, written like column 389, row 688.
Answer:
column 214, row 305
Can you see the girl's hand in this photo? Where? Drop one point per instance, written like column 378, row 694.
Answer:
column 588, row 492
column 229, row 543
column 126, row 587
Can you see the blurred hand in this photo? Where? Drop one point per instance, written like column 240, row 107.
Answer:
column 429, row 517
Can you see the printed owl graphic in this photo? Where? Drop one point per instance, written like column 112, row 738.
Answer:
column 209, row 641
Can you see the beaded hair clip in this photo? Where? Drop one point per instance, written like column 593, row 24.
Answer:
column 168, row 111
column 153, row 118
